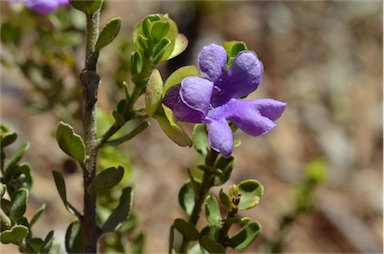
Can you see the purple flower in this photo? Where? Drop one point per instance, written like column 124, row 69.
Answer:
column 214, row 99
column 43, row 7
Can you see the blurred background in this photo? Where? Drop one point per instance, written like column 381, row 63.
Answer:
column 324, row 58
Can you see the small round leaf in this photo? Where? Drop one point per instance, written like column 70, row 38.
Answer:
column 107, row 179
column 70, row 142
column 251, row 192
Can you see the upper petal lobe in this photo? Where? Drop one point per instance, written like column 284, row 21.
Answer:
column 243, row 77
column 212, row 61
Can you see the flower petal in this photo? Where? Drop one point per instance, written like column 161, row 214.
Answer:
column 221, row 137
column 42, row 7
column 242, row 78
column 212, row 61
column 181, row 111
column 254, row 117
column 196, row 93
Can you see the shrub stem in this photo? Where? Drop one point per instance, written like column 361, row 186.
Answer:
column 90, row 83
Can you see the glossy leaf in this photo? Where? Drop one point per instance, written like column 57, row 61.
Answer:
column 14, row 235
column 212, row 211
column 5, row 221
column 159, row 30
column 181, row 44
column 37, row 215
column 106, row 180
column 22, row 176
column 3, row 189
column 60, row 185
column 171, row 128
column 235, row 220
column 108, row 33
column 245, row 236
column 160, row 49
column 136, row 63
column 233, row 48
column 16, row 157
column 211, row 245
column 251, row 192
column 88, row 7
column 189, row 231
column 225, row 200
column 48, row 242
column 200, row 139
column 121, row 213
column 187, row 197
column 70, row 142
column 177, row 76
column 7, row 138
column 153, row 94
column 136, row 131
column 74, row 238
column 18, row 204
column 226, row 166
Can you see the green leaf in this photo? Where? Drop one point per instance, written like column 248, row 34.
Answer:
column 171, row 128
column 108, row 33
column 14, row 235
column 70, row 142
column 130, row 135
column 159, row 30
column 187, row 197
column 136, row 63
column 74, row 238
column 48, row 242
column 225, row 200
column 5, row 221
column 142, row 45
column 189, row 231
column 177, row 76
column 33, row 245
column 7, row 139
column 212, row 211
column 226, row 166
column 245, row 236
column 200, row 139
column 18, row 204
column 251, row 192
column 60, row 185
column 3, row 189
column 233, row 220
column 211, row 245
column 181, row 44
column 107, row 179
column 37, row 215
column 22, row 175
column 160, row 49
column 233, row 48
column 153, row 94
column 88, row 7
column 16, row 157
column 121, row 213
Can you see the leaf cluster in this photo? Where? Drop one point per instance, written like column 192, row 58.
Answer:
column 15, row 182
